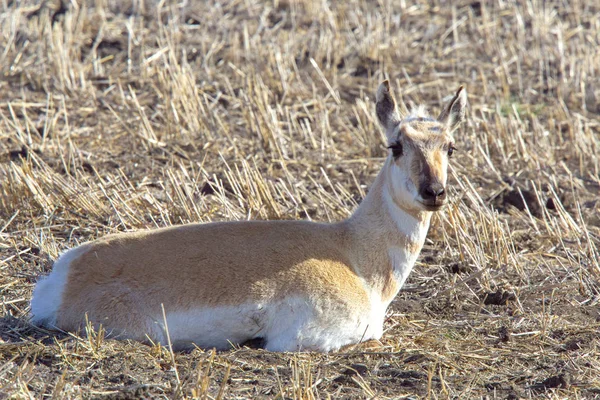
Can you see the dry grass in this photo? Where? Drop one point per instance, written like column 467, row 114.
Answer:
column 117, row 116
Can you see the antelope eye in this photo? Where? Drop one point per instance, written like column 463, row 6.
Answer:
column 451, row 150
column 396, row 149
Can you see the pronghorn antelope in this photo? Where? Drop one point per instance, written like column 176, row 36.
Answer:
column 293, row 285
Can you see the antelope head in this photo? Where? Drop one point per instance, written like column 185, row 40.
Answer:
column 419, row 149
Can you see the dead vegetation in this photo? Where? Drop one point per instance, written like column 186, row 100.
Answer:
column 117, row 116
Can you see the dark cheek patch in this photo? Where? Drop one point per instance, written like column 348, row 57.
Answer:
column 420, row 171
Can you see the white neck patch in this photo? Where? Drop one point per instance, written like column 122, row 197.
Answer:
column 402, row 263
column 414, row 230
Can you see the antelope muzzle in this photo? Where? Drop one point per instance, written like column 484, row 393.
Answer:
column 433, row 196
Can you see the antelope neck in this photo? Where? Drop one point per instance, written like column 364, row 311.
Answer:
column 384, row 237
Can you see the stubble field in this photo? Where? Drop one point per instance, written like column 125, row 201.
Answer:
column 117, row 116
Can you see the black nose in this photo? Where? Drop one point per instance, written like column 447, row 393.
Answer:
column 433, row 191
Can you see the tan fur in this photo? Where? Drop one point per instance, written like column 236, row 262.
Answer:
column 208, row 264
column 437, row 164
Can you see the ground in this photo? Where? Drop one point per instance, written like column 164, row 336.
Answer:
column 117, row 116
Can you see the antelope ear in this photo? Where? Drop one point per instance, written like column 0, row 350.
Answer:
column 387, row 114
column 454, row 112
